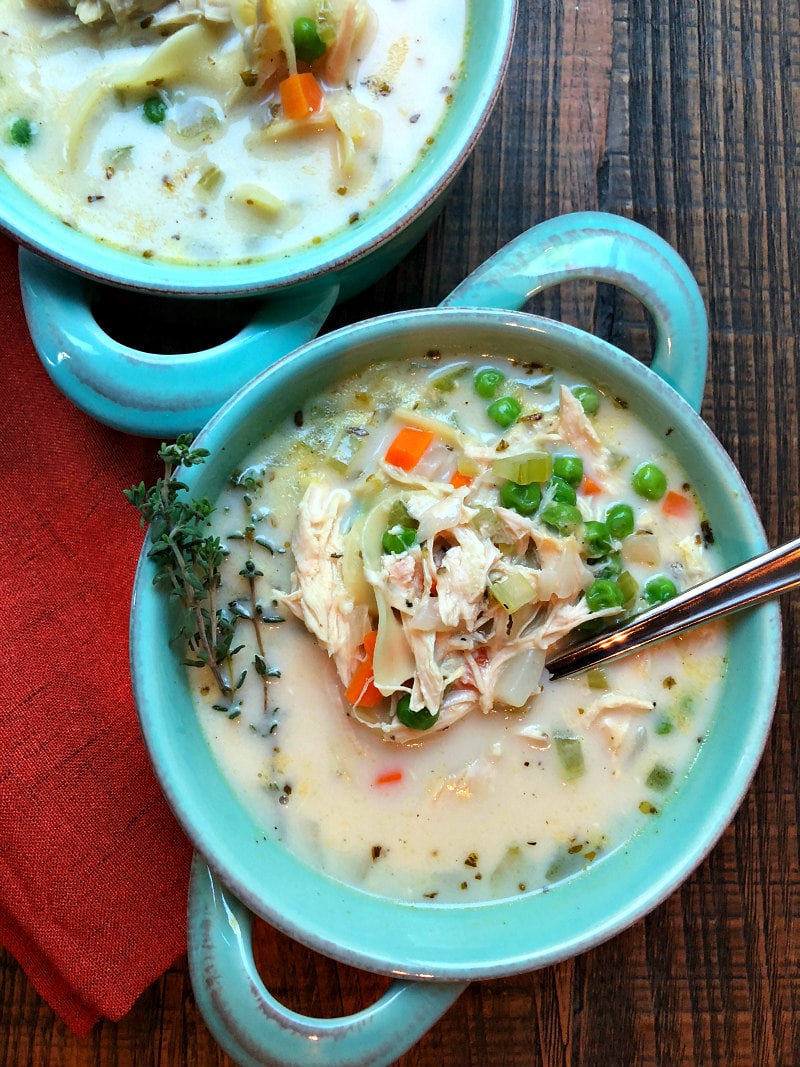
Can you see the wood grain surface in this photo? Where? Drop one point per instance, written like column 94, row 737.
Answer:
column 685, row 115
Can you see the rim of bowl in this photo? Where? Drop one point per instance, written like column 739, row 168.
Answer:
column 513, row 934
column 32, row 226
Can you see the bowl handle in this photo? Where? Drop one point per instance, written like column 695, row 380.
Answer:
column 145, row 393
column 597, row 246
column 256, row 1030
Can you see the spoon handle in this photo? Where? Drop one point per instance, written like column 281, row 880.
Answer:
column 760, row 578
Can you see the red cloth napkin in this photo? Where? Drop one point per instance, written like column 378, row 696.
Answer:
column 93, row 867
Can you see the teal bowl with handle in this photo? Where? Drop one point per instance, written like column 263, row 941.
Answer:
column 432, row 950
column 284, row 299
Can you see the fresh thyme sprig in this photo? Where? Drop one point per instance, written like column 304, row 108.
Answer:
column 248, row 481
column 188, row 563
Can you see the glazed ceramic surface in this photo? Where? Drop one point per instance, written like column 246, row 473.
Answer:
column 433, row 949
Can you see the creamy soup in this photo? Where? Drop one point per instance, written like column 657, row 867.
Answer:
column 407, row 550
column 221, row 130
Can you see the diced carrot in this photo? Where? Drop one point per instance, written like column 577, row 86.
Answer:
column 389, row 777
column 369, row 642
column 458, row 480
column 589, row 487
column 408, row 448
column 361, row 689
column 301, row 95
column 676, row 504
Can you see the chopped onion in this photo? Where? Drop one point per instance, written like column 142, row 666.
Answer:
column 641, row 547
column 393, row 661
column 520, row 677
column 441, row 515
column 438, row 464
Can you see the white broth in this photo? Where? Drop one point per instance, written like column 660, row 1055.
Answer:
column 188, row 131
column 458, row 771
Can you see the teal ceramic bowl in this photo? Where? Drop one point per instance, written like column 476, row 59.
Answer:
column 430, row 949
column 150, row 393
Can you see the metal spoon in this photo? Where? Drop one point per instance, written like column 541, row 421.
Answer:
column 760, row 578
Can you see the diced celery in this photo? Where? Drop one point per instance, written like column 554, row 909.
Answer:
column 628, row 585
column 659, row 778
column 398, row 515
column 525, row 468
column 120, row 158
column 210, row 180
column 447, row 380
column 486, row 523
column 565, row 864
column 570, row 753
column 512, row 591
column 597, row 678
column 342, row 449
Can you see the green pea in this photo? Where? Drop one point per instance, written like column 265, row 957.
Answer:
column 589, row 398
column 504, row 411
column 649, row 481
column 659, row 589
column 155, row 110
column 620, row 520
column 562, row 517
column 486, row 381
column 415, row 720
column 596, row 539
column 20, row 133
column 308, row 44
column 562, row 491
column 604, row 593
column 397, row 539
column 524, row 499
column 570, row 468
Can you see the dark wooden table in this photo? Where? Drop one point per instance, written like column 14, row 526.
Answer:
column 684, row 115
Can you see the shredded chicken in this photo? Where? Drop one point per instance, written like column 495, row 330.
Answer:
column 574, row 426
column 469, row 604
column 462, row 576
column 321, row 599
column 615, row 713
column 125, row 11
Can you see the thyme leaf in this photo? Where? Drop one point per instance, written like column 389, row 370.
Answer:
column 188, row 563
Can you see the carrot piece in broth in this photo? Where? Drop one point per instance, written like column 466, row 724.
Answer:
column 676, row 505
column 408, row 448
column 301, row 95
column 361, row 689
